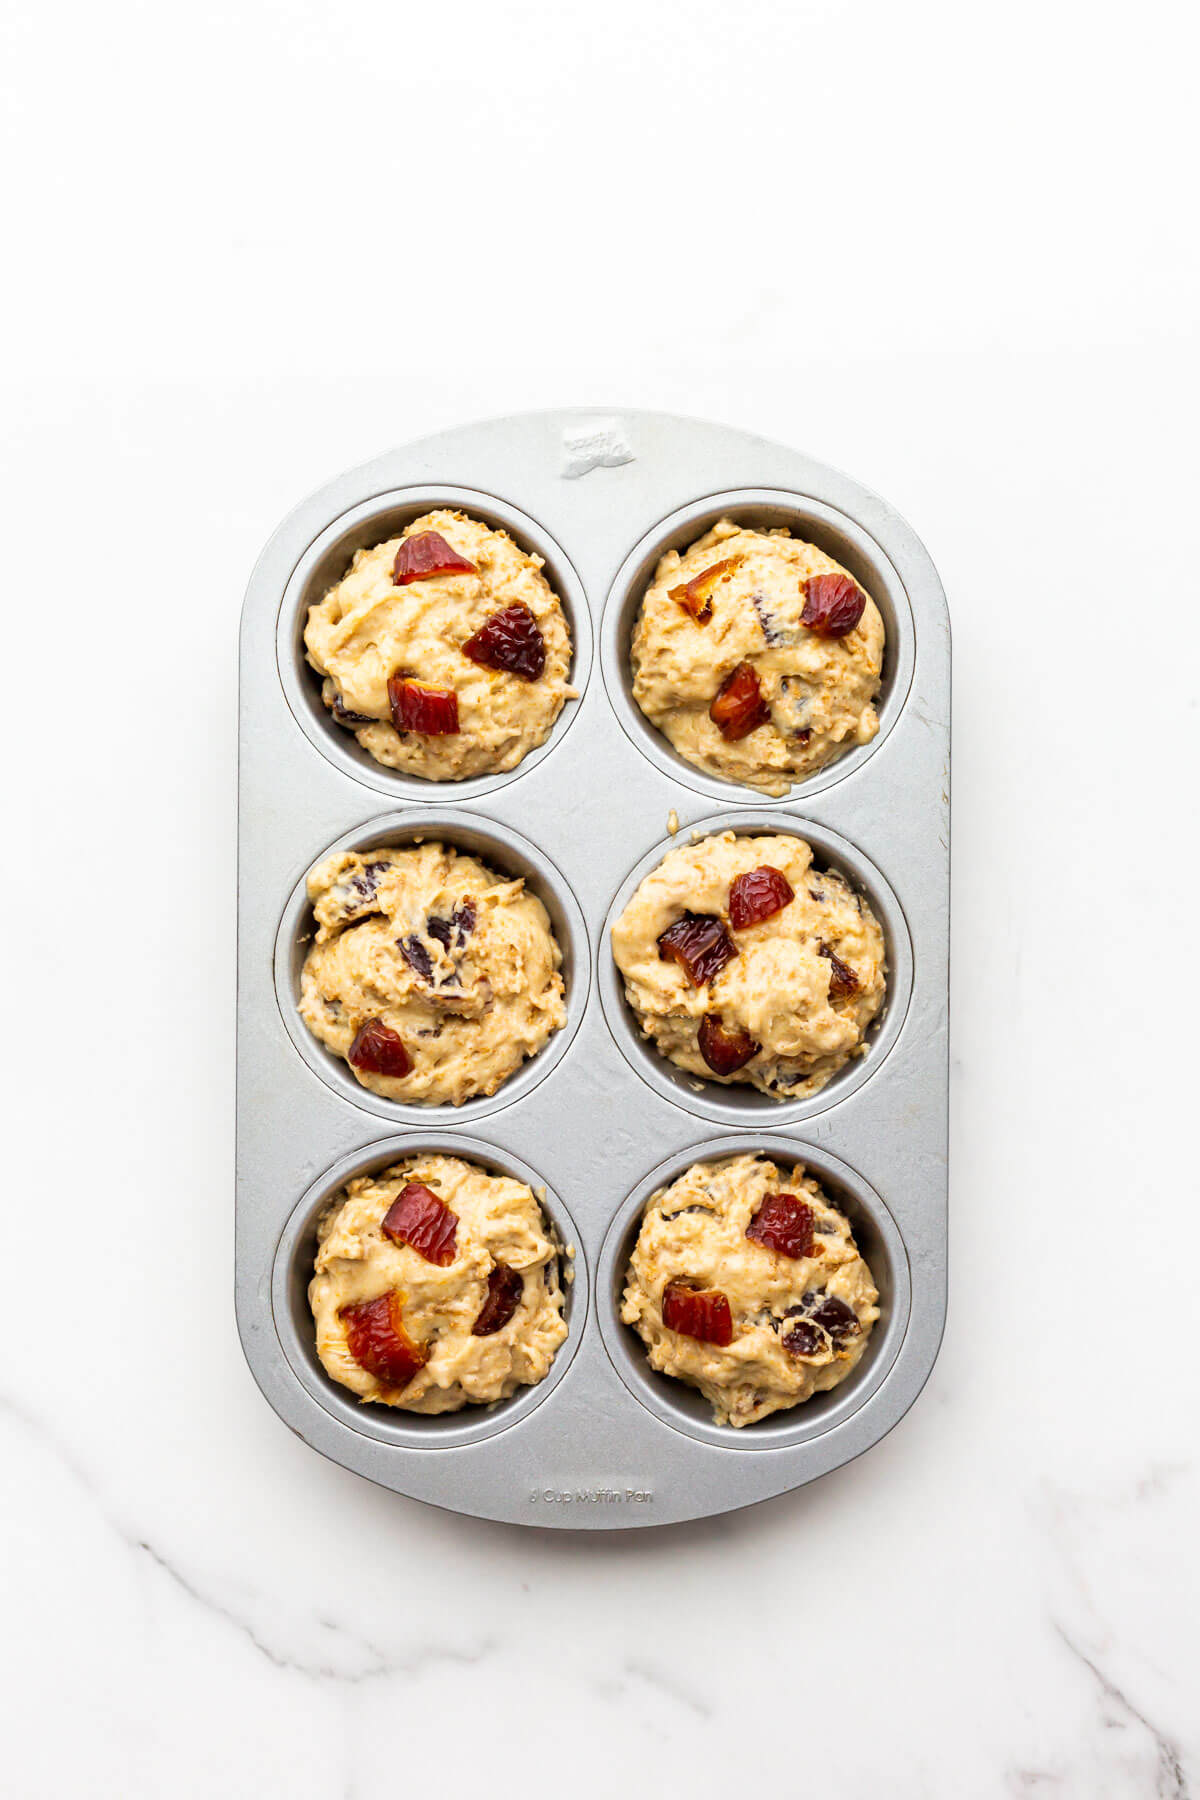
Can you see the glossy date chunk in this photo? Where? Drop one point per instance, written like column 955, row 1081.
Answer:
column 418, row 1218
column 695, row 596
column 842, row 979
column 758, row 895
column 510, row 641
column 377, row 1050
column 701, row 1313
column 505, row 1287
column 429, row 710
column 378, row 1342
column 833, row 605
column 425, row 555
column 739, row 707
column 700, row 944
column 725, row 1048
column 783, row 1224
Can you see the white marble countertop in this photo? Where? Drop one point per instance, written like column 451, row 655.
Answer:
column 999, row 1599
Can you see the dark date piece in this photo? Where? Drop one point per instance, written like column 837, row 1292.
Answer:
column 739, row 707
column 505, row 1287
column 377, row 1050
column 695, row 596
column 842, row 979
column 784, row 1224
column 510, row 641
column 701, row 1313
column 758, row 895
column 700, row 944
column 425, row 555
column 833, row 605
column 725, row 1048
column 418, row 1218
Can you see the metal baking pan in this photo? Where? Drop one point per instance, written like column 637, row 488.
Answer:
column 597, row 1120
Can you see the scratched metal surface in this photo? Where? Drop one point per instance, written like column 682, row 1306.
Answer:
column 597, row 1119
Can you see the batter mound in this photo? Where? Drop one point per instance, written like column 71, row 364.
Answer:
column 436, row 1286
column 747, row 1284
column 432, row 976
column 744, row 964
column 444, row 650
column 757, row 656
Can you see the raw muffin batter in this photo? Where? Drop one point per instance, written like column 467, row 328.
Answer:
column 766, row 1297
column 743, row 963
column 432, row 975
column 757, row 656
column 444, row 650
column 436, row 1286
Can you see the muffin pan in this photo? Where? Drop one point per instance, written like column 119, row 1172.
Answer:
column 597, row 1120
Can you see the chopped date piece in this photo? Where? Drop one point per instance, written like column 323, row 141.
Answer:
column 377, row 1050
column 842, row 979
column 758, row 895
column 772, row 630
column 784, row 1224
column 511, row 641
column 834, row 1316
column 804, row 1339
column 833, row 605
column 739, row 707
column 344, row 716
column 431, row 711
column 416, row 956
column 426, row 554
column 725, row 1049
column 378, row 1342
column 701, row 1313
column 700, row 944
column 505, row 1287
column 453, row 932
column 695, row 596
column 418, row 1218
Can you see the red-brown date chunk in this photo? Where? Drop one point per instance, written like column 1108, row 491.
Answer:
column 700, row 944
column 758, row 895
column 505, row 1287
column 695, row 596
column 783, row 1224
column 510, row 641
column 377, row 1050
column 833, row 605
column 842, row 979
column 739, row 707
column 725, row 1048
column 378, row 1342
column 429, row 710
column 425, row 555
column 418, row 1218
column 701, row 1313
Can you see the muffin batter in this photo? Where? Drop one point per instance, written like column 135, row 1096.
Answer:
column 416, row 1269
column 432, row 975
column 777, row 1324
column 757, row 656
column 781, row 1003
column 396, row 627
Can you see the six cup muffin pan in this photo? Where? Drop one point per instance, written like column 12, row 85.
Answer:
column 597, row 1120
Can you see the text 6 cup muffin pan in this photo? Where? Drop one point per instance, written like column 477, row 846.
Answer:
column 598, row 1119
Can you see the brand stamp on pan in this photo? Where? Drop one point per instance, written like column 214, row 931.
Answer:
column 595, row 1496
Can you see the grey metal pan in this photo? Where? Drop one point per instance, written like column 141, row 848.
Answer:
column 596, row 1120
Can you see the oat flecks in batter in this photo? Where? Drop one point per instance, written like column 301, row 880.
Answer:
column 499, row 1226
column 694, row 1232
column 460, row 963
column 819, row 691
column 788, row 987
column 367, row 629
